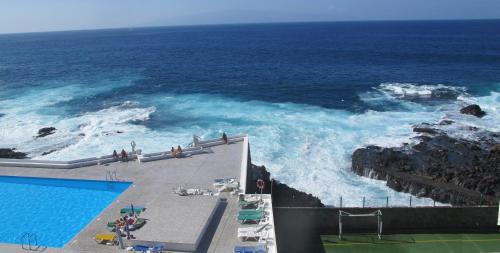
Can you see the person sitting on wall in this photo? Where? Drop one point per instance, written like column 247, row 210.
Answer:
column 179, row 151
column 224, row 138
column 124, row 155
column 115, row 155
column 172, row 152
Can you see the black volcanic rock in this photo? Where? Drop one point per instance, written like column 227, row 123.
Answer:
column 49, row 152
column 425, row 129
column 46, row 131
column 473, row 110
column 11, row 153
column 447, row 169
column 445, row 122
column 282, row 194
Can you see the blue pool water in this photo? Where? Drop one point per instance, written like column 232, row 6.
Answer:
column 54, row 209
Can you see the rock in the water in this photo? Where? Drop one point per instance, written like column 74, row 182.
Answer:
column 446, row 122
column 423, row 129
column 473, row 110
column 46, row 131
column 11, row 153
column 49, row 152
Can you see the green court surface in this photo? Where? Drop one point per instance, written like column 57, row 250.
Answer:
column 435, row 243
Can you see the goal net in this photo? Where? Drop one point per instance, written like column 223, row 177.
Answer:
column 376, row 215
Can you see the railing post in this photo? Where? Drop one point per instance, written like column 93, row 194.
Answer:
column 410, row 200
column 387, row 201
column 340, row 201
column 363, row 202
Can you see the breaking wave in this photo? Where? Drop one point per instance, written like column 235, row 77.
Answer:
column 308, row 147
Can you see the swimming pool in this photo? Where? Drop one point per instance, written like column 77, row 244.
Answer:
column 53, row 209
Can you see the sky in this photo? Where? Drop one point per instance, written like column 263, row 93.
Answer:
column 56, row 15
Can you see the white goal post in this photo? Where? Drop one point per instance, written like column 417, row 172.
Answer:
column 498, row 214
column 377, row 214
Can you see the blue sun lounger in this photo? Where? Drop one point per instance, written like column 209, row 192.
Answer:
column 144, row 248
column 250, row 249
column 140, row 248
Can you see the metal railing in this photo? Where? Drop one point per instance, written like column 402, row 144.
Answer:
column 29, row 241
column 111, row 176
column 363, row 202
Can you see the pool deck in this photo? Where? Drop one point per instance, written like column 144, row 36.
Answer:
column 208, row 222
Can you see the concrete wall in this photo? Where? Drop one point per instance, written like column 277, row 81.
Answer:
column 298, row 229
column 91, row 161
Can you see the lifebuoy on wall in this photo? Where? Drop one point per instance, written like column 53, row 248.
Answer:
column 260, row 184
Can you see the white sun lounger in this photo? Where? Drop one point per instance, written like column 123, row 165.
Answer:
column 192, row 191
column 226, row 184
column 249, row 235
column 259, row 228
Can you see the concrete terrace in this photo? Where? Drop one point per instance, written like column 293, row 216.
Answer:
column 185, row 223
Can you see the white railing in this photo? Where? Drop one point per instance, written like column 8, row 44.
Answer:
column 203, row 147
column 244, row 164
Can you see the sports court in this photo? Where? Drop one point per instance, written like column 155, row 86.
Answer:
column 429, row 243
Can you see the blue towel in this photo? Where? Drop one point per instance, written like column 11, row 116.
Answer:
column 250, row 249
column 141, row 248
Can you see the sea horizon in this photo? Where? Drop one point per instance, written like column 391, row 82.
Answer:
column 249, row 23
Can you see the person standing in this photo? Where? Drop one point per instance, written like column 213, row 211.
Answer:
column 224, row 138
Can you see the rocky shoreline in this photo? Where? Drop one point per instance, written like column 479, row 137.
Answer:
column 445, row 168
column 282, row 194
column 11, row 153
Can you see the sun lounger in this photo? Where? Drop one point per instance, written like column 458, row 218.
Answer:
column 226, row 184
column 251, row 218
column 140, row 248
column 157, row 248
column 250, row 249
column 255, row 228
column 251, row 211
column 250, row 204
column 247, row 235
column 258, row 233
column 192, row 191
column 109, row 239
column 144, row 248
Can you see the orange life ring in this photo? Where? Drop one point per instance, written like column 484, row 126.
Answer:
column 260, row 184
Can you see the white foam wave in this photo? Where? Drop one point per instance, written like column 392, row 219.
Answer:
column 410, row 90
column 307, row 147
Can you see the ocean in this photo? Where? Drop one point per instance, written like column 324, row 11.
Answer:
column 308, row 94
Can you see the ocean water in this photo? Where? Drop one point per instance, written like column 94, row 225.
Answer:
column 308, row 94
